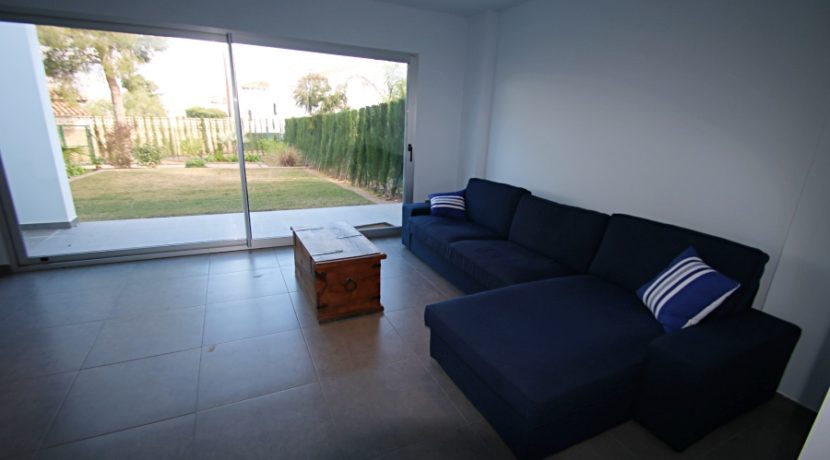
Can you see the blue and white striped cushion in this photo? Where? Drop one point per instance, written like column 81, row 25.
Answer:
column 686, row 292
column 450, row 205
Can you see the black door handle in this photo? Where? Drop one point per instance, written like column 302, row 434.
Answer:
column 409, row 149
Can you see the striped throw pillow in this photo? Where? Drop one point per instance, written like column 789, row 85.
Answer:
column 686, row 291
column 451, row 204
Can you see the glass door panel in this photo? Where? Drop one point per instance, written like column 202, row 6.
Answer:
column 323, row 138
column 114, row 143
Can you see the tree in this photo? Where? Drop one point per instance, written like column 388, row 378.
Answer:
column 142, row 99
column 71, row 52
column 395, row 83
column 393, row 86
column 315, row 95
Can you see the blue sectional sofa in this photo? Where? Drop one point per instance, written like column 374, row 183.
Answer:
column 552, row 344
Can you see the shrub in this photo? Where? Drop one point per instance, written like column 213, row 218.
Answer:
column 119, row 146
column 73, row 170
column 195, row 162
column 148, row 155
column 268, row 145
column 191, row 147
column 289, row 158
column 204, row 112
column 253, row 158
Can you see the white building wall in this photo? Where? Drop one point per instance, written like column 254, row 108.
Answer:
column 28, row 137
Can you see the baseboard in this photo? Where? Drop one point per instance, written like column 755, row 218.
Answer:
column 50, row 225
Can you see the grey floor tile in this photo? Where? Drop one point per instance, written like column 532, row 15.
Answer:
column 291, row 424
column 245, row 285
column 780, row 435
column 147, row 296
column 409, row 323
column 304, row 309
column 60, row 309
column 238, row 261
column 602, row 446
column 147, row 335
column 174, row 267
column 45, row 351
column 445, row 287
column 290, row 279
column 166, row 440
column 75, row 279
column 354, row 344
column 26, row 410
column 126, row 395
column 247, row 368
column 493, row 443
column 642, row 444
column 285, row 256
column 394, row 266
column 637, row 442
column 458, row 399
column 461, row 443
column 412, row 290
column 389, row 407
column 239, row 319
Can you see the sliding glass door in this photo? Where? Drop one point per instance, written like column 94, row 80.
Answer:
column 118, row 144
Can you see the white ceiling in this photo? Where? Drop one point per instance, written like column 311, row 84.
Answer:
column 462, row 7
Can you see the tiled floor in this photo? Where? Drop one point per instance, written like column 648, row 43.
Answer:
column 218, row 356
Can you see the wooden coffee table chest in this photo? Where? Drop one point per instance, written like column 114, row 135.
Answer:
column 339, row 269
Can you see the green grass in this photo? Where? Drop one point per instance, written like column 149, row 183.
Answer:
column 139, row 193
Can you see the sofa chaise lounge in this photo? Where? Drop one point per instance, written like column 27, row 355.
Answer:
column 552, row 344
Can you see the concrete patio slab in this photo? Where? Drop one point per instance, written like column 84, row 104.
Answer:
column 128, row 234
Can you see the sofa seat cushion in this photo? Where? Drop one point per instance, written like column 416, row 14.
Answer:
column 499, row 263
column 438, row 232
column 551, row 348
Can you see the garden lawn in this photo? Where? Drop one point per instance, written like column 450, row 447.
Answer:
column 162, row 192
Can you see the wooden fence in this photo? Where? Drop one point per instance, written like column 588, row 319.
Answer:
column 175, row 136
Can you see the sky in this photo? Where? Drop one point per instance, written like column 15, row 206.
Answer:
column 192, row 72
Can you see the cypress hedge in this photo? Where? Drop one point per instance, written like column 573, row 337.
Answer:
column 364, row 146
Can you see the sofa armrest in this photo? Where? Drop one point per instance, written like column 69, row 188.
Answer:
column 698, row 378
column 411, row 210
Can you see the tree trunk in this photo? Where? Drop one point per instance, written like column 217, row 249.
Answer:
column 117, row 98
column 120, row 137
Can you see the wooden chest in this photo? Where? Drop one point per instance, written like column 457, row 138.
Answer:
column 339, row 269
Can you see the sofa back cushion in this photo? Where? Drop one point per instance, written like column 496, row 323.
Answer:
column 634, row 250
column 567, row 234
column 492, row 204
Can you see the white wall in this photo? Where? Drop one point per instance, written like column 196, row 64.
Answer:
column 706, row 114
column 482, row 36
column 800, row 291
column 818, row 442
column 4, row 256
column 29, row 141
column 437, row 38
